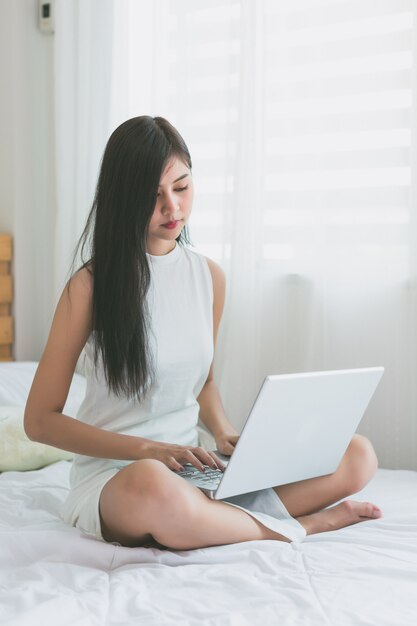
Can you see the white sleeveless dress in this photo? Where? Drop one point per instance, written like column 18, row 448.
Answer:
column 180, row 301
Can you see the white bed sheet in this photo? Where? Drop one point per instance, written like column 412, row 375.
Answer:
column 50, row 574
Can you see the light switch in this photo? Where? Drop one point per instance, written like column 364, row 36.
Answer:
column 46, row 16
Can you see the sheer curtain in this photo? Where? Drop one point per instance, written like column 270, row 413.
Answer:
column 300, row 118
column 82, row 76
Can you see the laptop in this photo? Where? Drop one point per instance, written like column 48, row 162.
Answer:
column 299, row 427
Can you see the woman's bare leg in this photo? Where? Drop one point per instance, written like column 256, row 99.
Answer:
column 344, row 514
column 146, row 501
column 355, row 470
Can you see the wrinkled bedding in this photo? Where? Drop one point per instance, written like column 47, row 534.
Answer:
column 50, row 574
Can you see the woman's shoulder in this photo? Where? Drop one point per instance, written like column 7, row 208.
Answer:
column 217, row 274
column 81, row 283
column 214, row 267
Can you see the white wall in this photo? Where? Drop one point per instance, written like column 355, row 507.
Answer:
column 27, row 167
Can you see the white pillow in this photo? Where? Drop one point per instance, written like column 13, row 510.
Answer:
column 16, row 379
column 17, row 451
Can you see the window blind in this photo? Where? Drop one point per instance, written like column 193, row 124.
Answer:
column 328, row 86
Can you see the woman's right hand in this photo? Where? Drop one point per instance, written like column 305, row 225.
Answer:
column 174, row 456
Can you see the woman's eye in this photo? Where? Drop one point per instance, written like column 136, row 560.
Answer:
column 178, row 189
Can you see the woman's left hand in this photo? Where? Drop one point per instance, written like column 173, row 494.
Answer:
column 226, row 442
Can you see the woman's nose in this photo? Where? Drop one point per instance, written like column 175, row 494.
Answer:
column 170, row 204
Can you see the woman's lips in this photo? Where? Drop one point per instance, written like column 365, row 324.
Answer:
column 170, row 225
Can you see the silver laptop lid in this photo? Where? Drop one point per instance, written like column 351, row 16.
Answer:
column 299, row 427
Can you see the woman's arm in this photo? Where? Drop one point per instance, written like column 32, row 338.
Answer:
column 212, row 412
column 44, row 420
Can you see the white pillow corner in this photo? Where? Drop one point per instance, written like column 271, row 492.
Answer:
column 17, row 451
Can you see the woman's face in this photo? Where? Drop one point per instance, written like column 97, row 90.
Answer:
column 172, row 209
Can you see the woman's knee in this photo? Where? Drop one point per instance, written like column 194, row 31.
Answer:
column 140, row 499
column 146, row 477
column 160, row 492
column 361, row 463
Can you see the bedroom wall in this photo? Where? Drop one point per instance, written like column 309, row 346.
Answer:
column 26, row 168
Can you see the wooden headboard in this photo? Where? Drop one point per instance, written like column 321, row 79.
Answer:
column 6, row 298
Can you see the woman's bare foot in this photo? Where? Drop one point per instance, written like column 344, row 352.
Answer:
column 344, row 514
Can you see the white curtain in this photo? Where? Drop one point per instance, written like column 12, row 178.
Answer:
column 301, row 120
column 83, row 78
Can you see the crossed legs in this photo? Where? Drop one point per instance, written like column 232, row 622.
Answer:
column 146, row 502
column 355, row 470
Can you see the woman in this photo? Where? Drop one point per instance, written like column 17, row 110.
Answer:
column 147, row 309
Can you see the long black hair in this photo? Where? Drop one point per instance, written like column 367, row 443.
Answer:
column 115, row 235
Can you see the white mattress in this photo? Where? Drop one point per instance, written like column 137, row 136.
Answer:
column 50, row 574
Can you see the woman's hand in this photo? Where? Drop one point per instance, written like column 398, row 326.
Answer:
column 174, row 456
column 226, row 442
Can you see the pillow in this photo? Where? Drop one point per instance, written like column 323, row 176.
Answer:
column 17, row 451
column 16, row 379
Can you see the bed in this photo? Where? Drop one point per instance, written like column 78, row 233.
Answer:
column 52, row 574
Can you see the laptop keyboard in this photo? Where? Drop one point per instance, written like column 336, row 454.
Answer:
column 210, row 476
